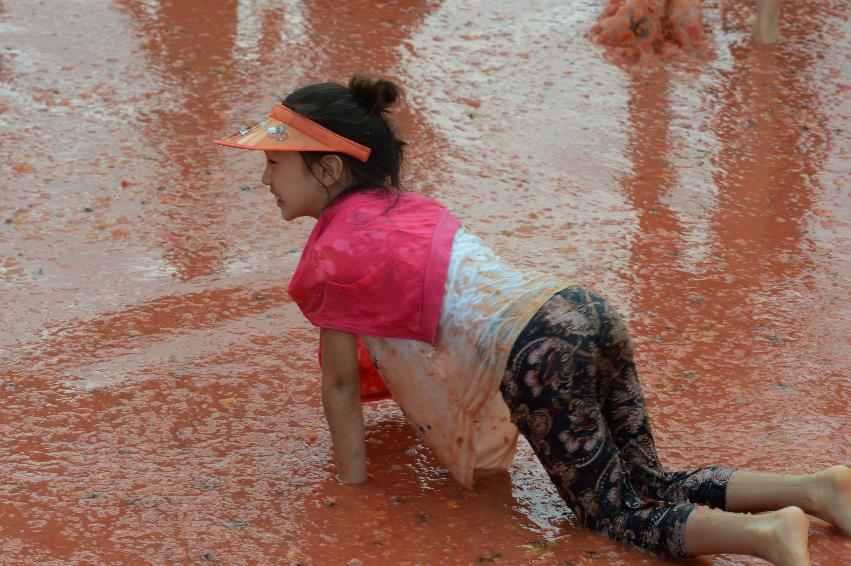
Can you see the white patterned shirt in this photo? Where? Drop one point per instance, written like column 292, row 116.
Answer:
column 450, row 393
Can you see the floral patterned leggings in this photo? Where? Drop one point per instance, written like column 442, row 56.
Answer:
column 573, row 392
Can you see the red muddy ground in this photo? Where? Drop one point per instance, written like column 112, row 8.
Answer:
column 158, row 387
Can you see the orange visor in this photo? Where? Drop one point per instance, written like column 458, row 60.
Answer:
column 284, row 130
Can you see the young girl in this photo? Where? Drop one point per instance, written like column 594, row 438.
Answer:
column 473, row 350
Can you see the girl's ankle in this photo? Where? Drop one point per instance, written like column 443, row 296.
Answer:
column 763, row 534
column 813, row 502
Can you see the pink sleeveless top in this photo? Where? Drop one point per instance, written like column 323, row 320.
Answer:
column 376, row 266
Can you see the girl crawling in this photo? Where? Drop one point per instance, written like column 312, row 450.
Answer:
column 476, row 352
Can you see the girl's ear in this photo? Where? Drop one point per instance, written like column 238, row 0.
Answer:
column 331, row 170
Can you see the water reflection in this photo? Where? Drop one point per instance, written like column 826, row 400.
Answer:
column 190, row 47
column 652, row 177
column 769, row 156
column 719, row 323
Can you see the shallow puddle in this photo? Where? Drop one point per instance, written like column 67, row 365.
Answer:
column 159, row 389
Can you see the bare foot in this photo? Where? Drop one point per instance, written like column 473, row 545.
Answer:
column 631, row 23
column 786, row 537
column 832, row 497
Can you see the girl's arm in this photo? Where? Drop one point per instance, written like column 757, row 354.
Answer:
column 342, row 403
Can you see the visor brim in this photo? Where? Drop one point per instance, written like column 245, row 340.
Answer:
column 285, row 130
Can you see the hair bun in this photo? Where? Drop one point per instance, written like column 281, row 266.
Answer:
column 374, row 95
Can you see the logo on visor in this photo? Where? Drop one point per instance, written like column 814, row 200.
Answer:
column 278, row 132
column 246, row 131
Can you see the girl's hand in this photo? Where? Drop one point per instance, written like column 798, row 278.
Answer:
column 342, row 403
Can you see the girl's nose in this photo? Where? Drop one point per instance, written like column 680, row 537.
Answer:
column 266, row 179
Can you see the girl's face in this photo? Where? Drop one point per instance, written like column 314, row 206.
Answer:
column 298, row 192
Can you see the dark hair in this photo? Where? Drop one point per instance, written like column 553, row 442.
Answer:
column 357, row 112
